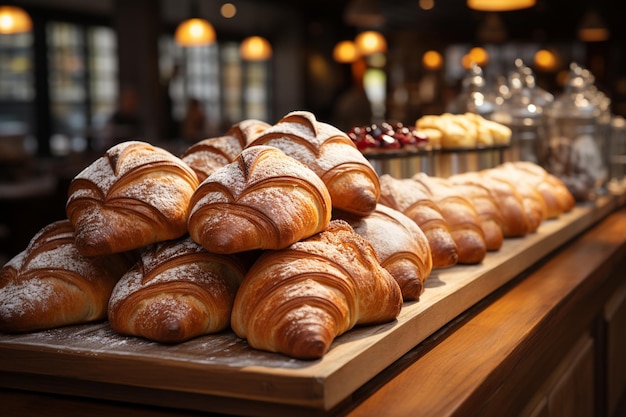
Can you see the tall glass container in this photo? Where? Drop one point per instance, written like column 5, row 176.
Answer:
column 523, row 110
column 475, row 96
column 575, row 151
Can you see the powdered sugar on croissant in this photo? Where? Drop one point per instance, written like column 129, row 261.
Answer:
column 133, row 196
column 50, row 284
column 265, row 199
column 176, row 291
column 351, row 180
column 401, row 246
column 208, row 155
column 297, row 300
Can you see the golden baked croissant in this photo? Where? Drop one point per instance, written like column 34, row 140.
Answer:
column 210, row 154
column 466, row 130
column 175, row 292
column 533, row 203
column 461, row 216
column 296, row 301
column 557, row 196
column 515, row 219
column 488, row 212
column 133, row 196
column 401, row 246
column 351, row 180
column 489, row 132
column 454, row 130
column 50, row 284
column 409, row 197
column 265, row 199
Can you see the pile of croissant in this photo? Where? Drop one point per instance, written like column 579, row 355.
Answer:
column 467, row 130
column 283, row 233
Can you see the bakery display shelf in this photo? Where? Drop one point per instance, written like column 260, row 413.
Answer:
column 220, row 373
column 409, row 152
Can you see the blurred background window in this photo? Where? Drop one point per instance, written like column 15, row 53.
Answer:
column 17, row 92
column 82, row 79
column 229, row 88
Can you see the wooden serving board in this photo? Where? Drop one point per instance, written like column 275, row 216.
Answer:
column 219, row 372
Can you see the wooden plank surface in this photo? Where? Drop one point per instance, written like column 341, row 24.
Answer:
column 224, row 366
column 502, row 355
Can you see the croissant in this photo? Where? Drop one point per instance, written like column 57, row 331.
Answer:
column 489, row 214
column 489, row 132
column 555, row 193
column 461, row 216
column 208, row 155
column 466, row 130
column 133, row 196
column 351, row 180
column 401, row 246
column 534, row 204
column 263, row 200
column 177, row 291
column 50, row 284
column 296, row 301
column 515, row 219
column 454, row 130
column 409, row 197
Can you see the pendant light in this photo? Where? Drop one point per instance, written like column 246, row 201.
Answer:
column 370, row 42
column 194, row 31
column 432, row 60
column 364, row 13
column 345, row 52
column 592, row 28
column 255, row 48
column 14, row 20
column 499, row 5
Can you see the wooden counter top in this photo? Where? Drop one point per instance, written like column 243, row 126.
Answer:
column 492, row 338
column 473, row 367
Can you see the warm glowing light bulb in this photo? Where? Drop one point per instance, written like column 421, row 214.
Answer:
column 499, row 5
column 545, row 60
column 432, row 60
column 14, row 20
column 478, row 56
column 426, row 4
column 370, row 42
column 345, row 52
column 255, row 48
column 228, row 10
column 195, row 32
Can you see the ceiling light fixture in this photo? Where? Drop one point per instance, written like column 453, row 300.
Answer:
column 545, row 60
column 14, row 20
column 228, row 10
column 432, row 60
column 370, row 42
column 499, row 5
column 364, row 13
column 195, row 31
column 592, row 28
column 345, row 52
column 255, row 48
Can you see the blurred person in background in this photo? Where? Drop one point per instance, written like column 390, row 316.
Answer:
column 125, row 123
column 193, row 127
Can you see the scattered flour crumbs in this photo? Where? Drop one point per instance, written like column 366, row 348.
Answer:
column 222, row 349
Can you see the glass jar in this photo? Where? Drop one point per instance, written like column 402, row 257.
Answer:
column 523, row 111
column 475, row 96
column 575, row 151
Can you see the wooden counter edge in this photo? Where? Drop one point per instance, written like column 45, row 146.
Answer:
column 527, row 325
